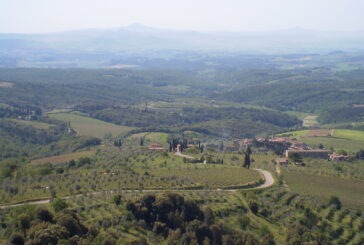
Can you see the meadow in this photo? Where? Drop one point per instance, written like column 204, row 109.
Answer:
column 90, row 127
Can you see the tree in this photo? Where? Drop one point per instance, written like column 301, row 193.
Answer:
column 24, row 222
column 71, row 222
column 16, row 239
column 334, row 200
column 249, row 150
column 117, row 199
column 295, row 157
column 83, row 161
column 72, row 163
column 43, row 214
column 47, row 233
column 247, row 160
column 58, row 204
column 360, row 154
column 254, row 207
column 141, row 142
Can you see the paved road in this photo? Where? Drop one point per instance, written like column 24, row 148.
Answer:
column 268, row 177
column 269, row 181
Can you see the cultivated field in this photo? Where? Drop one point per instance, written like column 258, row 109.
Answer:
column 35, row 124
column 350, row 140
column 153, row 137
column 350, row 192
column 212, row 177
column 349, row 134
column 89, row 126
column 63, row 158
column 319, row 133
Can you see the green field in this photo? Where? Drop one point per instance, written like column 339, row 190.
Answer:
column 154, row 137
column 349, row 134
column 350, row 140
column 89, row 126
column 336, row 143
column 350, row 192
column 63, row 158
column 35, row 124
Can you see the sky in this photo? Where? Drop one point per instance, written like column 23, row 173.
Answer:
column 38, row 16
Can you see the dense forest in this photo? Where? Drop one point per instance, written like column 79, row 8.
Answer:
column 343, row 115
column 187, row 115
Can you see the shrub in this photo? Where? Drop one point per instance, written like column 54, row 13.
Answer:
column 16, row 239
column 336, row 202
column 117, row 199
column 58, row 204
column 43, row 214
column 254, row 207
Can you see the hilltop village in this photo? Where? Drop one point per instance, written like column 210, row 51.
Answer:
column 290, row 148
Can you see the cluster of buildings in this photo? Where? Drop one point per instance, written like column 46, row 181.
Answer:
column 288, row 146
column 293, row 147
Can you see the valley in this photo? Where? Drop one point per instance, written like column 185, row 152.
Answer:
column 254, row 153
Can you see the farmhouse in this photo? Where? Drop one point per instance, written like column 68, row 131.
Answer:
column 323, row 154
column 338, row 158
column 282, row 161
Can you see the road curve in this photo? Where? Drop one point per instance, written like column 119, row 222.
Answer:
column 268, row 182
column 268, row 179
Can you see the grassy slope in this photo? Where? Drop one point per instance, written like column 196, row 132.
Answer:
column 336, row 143
column 153, row 137
column 38, row 125
column 63, row 158
column 89, row 126
column 350, row 192
column 351, row 140
column 349, row 134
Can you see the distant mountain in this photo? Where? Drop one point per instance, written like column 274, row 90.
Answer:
column 138, row 39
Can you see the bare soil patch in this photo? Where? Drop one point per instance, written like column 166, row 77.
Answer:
column 319, row 133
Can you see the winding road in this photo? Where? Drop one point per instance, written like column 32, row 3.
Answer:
column 268, row 182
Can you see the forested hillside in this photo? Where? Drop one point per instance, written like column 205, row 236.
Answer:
column 24, row 141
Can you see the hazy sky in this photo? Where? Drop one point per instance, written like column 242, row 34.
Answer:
column 27, row 16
